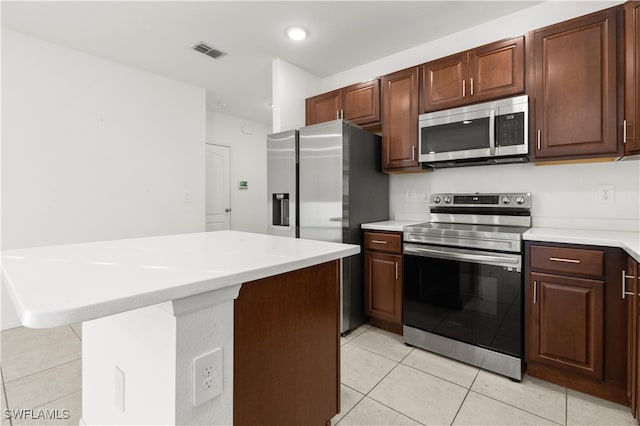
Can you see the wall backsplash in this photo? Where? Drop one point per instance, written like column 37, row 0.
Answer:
column 563, row 196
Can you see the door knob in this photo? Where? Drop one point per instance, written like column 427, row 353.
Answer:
column 227, row 210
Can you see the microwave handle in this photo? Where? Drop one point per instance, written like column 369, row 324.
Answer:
column 492, row 132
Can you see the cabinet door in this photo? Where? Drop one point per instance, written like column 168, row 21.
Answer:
column 361, row 102
column 574, row 65
column 497, row 70
column 566, row 323
column 383, row 286
column 400, row 120
column 631, row 131
column 635, row 367
column 632, row 324
column 325, row 107
column 444, row 82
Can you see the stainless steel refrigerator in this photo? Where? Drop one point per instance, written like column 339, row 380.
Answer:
column 323, row 182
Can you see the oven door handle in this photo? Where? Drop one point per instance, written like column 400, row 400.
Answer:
column 485, row 258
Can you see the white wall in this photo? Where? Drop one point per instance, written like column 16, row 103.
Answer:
column 94, row 150
column 563, row 195
column 291, row 86
column 248, row 162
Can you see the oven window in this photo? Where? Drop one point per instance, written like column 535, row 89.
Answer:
column 473, row 303
column 458, row 136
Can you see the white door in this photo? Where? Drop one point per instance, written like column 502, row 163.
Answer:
column 218, row 212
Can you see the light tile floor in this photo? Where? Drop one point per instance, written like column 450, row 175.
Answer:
column 384, row 382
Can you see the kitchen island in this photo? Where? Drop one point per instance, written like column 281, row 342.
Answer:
column 151, row 306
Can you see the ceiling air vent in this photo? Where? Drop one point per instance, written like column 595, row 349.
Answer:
column 208, row 50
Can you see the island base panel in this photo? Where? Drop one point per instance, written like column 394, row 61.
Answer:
column 286, row 340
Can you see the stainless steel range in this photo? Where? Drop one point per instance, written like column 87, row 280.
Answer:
column 463, row 280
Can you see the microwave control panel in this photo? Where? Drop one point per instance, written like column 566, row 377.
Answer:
column 510, row 129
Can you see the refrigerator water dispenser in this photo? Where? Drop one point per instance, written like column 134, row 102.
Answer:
column 280, row 214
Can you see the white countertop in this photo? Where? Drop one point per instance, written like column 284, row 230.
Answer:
column 390, row 225
column 629, row 241
column 64, row 284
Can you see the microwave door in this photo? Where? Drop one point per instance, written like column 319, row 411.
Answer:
column 454, row 137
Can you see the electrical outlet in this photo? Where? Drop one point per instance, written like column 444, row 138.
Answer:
column 207, row 370
column 208, row 383
column 606, row 194
column 207, row 376
column 410, row 195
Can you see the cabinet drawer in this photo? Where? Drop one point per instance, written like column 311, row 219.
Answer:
column 382, row 241
column 568, row 260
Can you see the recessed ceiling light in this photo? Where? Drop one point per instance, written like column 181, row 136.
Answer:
column 296, row 33
column 222, row 105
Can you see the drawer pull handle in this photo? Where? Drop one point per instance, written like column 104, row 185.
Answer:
column 396, row 270
column 535, row 292
column 560, row 259
column 378, row 242
column 626, row 277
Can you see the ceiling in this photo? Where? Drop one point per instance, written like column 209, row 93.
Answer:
column 157, row 36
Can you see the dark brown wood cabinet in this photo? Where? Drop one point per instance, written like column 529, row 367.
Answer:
column 631, row 295
column 576, row 319
column 358, row 103
column 566, row 323
column 631, row 123
column 488, row 72
column 287, row 348
column 400, row 105
column 324, row 107
column 573, row 93
column 383, row 280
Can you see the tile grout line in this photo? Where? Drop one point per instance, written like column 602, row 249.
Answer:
column 437, row 377
column 465, row 397
column 46, row 369
column 516, row 407
column 354, row 405
column 380, row 381
column 57, row 399
column 6, row 400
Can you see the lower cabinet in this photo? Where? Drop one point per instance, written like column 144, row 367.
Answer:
column 569, row 341
column 383, row 280
column 631, row 289
column 576, row 318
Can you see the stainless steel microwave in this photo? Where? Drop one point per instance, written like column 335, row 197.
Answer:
column 490, row 132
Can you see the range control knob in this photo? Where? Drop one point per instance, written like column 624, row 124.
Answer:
column 506, row 200
column 447, row 199
column 520, row 199
column 437, row 199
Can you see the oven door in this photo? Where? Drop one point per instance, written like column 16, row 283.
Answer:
column 472, row 296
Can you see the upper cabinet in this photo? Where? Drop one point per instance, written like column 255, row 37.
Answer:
column 400, row 121
column 631, row 123
column 573, row 92
column 488, row 72
column 324, row 107
column 358, row 103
